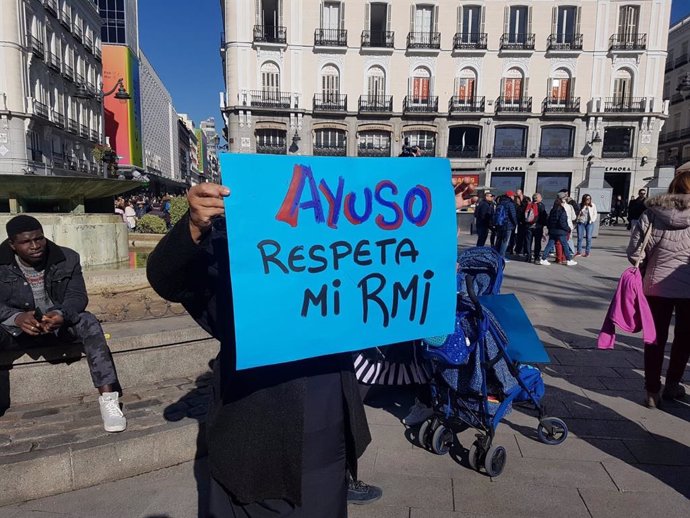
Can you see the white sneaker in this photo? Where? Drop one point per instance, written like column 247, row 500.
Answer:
column 571, row 263
column 113, row 418
column 419, row 412
column 544, row 262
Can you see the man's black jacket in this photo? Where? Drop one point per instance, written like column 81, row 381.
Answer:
column 256, row 421
column 483, row 213
column 64, row 283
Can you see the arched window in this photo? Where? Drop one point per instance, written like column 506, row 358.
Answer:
column 420, row 86
column 376, row 83
column 622, row 85
column 330, row 84
column 466, row 85
column 270, row 78
column 513, row 86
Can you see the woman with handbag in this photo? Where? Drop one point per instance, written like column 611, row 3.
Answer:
column 662, row 239
column 585, row 224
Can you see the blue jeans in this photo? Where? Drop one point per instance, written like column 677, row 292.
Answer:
column 503, row 235
column 584, row 229
column 552, row 244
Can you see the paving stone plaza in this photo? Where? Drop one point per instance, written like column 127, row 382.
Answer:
column 620, row 460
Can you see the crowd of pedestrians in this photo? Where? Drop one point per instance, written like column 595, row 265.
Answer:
column 133, row 208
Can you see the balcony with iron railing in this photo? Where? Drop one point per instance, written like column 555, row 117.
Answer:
column 330, row 103
column 270, row 99
column 83, row 165
column 513, row 104
column 673, row 136
column 470, row 41
column 412, row 104
column 72, row 126
column 68, row 72
column 83, row 131
column 628, row 42
column 94, row 136
column 557, row 105
column 95, row 168
column 53, row 61
column 65, row 19
column 564, row 42
column 58, row 160
column 97, row 52
column 37, row 46
column 58, row 119
column 270, row 34
column 460, row 151
column 271, row 149
column 616, row 150
column 79, row 79
column 374, row 152
column 375, row 103
column 378, row 39
column 41, row 110
column 330, row 150
column 517, row 41
column 625, row 104
column 88, row 43
column 330, row 38
column 77, row 32
column 677, row 98
column 458, row 104
column 424, row 40
column 51, row 6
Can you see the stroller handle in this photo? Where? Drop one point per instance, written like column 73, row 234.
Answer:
column 469, row 282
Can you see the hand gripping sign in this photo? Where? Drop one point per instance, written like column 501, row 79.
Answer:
column 329, row 255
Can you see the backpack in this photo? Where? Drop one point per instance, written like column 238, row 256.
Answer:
column 532, row 213
column 500, row 215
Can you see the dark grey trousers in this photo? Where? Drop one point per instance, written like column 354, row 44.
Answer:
column 87, row 332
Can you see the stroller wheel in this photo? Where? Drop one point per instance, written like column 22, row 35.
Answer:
column 442, row 440
column 495, row 461
column 423, row 435
column 474, row 456
column 552, row 430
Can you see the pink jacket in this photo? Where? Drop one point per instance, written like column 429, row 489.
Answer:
column 629, row 310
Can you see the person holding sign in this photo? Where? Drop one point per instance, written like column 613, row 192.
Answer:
column 280, row 438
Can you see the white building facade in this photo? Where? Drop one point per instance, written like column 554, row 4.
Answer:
column 159, row 124
column 674, row 143
column 51, row 115
column 524, row 94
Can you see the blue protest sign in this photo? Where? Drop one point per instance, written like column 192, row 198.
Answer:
column 330, row 255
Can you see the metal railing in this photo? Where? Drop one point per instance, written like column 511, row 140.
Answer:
column 72, row 126
column 517, row 41
column 459, row 151
column 68, row 72
column 680, row 60
column 37, row 46
column 53, row 61
column 628, row 42
column 458, row 104
column 58, row 119
column 330, row 37
column 41, row 110
column 672, row 136
column 513, row 104
column 625, row 105
column 564, row 42
column 330, row 151
column 270, row 34
column 77, row 32
column 469, row 41
column 83, row 131
column 78, row 78
column 51, row 6
column 677, row 98
column 88, row 43
column 424, row 40
column 330, row 102
column 375, row 103
column 509, row 151
column 97, row 52
column 65, row 19
column 556, row 105
column 271, row 149
column 94, row 136
column 616, row 151
column 378, row 39
column 412, row 104
column 556, row 151
column 270, row 99
column 374, row 152
column 58, row 160
column 83, row 165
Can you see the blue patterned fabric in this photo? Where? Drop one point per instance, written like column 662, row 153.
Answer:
column 486, row 265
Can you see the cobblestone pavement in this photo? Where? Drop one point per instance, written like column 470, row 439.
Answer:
column 621, row 459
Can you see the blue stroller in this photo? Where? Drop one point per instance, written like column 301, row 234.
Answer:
column 475, row 382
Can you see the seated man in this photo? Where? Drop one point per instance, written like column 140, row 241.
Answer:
column 42, row 303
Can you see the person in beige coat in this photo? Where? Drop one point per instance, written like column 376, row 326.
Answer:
column 666, row 270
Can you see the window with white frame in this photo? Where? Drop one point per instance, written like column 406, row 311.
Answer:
column 518, row 23
column 374, row 143
column 270, row 79
column 560, row 87
column 330, row 141
column 565, row 24
column 420, row 86
column 271, row 141
column 622, row 86
column 330, row 84
column 628, row 23
column 466, row 86
column 513, row 86
column 376, row 83
column 470, row 23
column 424, row 140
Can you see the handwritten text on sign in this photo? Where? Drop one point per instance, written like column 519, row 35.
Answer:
column 337, row 254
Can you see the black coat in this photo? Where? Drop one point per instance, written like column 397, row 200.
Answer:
column 64, row 283
column 511, row 212
column 558, row 222
column 256, row 419
column 483, row 213
column 636, row 208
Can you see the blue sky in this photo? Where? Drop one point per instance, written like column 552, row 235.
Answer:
column 182, row 38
